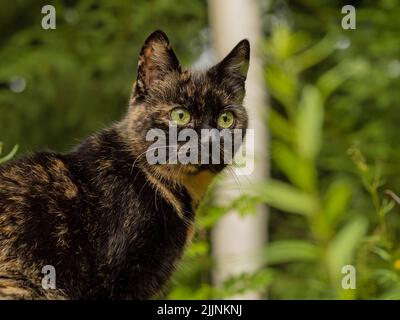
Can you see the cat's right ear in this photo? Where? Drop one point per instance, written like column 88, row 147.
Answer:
column 155, row 61
column 232, row 70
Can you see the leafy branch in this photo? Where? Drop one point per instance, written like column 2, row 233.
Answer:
column 10, row 155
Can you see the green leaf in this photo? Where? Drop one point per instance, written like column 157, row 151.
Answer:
column 385, row 277
column 341, row 249
column 281, row 41
column 299, row 171
column 290, row 251
column 245, row 204
column 313, row 55
column 286, row 197
column 309, row 123
column 382, row 253
column 282, row 86
column 337, row 200
column 393, row 294
column 279, row 126
column 387, row 206
column 197, row 249
column 209, row 215
column 284, row 43
column 333, row 78
column 10, row 155
column 245, row 282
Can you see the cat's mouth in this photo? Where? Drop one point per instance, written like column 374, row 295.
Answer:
column 195, row 169
column 178, row 171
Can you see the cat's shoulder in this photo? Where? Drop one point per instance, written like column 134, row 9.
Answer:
column 35, row 173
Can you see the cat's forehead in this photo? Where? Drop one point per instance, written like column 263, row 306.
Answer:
column 193, row 89
column 201, row 87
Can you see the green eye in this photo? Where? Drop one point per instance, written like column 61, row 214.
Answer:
column 226, row 120
column 181, row 116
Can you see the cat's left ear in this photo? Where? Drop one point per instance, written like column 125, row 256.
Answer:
column 156, row 60
column 232, row 70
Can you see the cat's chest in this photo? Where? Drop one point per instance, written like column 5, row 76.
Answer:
column 142, row 259
column 161, row 235
column 140, row 237
column 149, row 232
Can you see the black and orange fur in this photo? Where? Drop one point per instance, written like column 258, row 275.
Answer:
column 113, row 226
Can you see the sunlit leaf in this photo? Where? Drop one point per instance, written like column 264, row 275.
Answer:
column 197, row 249
column 314, row 55
column 299, row 171
column 387, row 206
column 341, row 249
column 333, row 78
column 287, row 198
column 10, row 155
column 281, row 41
column 279, row 126
column 309, row 123
column 383, row 254
column 282, row 86
column 242, row 283
column 336, row 201
column 290, row 251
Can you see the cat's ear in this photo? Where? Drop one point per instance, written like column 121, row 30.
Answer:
column 155, row 61
column 232, row 70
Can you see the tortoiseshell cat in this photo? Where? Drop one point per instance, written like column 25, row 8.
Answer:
column 112, row 225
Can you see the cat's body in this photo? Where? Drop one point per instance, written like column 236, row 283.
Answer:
column 111, row 225
column 108, row 232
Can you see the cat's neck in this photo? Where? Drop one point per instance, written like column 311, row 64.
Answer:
column 113, row 156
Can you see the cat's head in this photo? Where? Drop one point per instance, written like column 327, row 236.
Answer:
column 165, row 94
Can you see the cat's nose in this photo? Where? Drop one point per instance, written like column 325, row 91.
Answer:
column 206, row 126
column 209, row 134
column 210, row 145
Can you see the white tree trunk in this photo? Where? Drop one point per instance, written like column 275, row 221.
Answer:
column 237, row 240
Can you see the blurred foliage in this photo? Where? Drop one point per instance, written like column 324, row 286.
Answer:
column 334, row 127
column 333, row 121
column 77, row 78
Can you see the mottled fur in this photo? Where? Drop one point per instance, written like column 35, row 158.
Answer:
column 112, row 225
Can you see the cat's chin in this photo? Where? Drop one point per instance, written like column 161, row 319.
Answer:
column 178, row 172
column 191, row 169
column 195, row 169
column 182, row 169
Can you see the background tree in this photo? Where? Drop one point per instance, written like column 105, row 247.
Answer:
column 237, row 238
